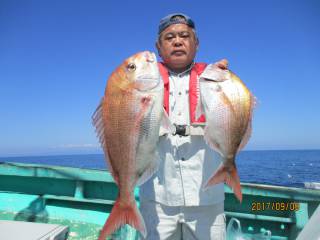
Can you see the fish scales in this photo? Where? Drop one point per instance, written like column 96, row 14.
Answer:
column 127, row 122
column 227, row 104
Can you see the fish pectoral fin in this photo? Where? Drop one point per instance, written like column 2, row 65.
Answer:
column 122, row 214
column 230, row 177
column 166, row 126
column 145, row 102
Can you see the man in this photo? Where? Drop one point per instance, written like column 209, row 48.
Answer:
column 173, row 204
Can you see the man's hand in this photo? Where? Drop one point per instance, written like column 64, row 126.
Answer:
column 222, row 64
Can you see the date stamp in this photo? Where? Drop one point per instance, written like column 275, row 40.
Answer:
column 275, row 206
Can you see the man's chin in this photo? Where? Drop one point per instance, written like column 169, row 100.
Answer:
column 179, row 60
column 177, row 66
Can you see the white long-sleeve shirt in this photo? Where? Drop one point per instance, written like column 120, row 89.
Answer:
column 186, row 162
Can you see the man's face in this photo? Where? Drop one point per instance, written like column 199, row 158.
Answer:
column 177, row 46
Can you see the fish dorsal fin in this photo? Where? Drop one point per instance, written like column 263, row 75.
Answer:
column 248, row 131
column 246, row 137
column 98, row 123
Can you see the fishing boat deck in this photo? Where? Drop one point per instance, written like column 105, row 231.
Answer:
column 82, row 199
column 31, row 230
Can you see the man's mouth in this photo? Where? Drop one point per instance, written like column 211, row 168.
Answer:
column 178, row 53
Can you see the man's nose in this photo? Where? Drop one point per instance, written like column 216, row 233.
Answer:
column 177, row 41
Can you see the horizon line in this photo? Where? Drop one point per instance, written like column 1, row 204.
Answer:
column 101, row 153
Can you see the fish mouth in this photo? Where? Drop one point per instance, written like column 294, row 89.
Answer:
column 149, row 78
column 147, row 82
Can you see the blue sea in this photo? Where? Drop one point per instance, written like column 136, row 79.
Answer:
column 282, row 167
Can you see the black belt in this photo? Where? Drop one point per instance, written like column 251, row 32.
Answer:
column 182, row 130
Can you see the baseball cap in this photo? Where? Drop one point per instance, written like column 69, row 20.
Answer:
column 172, row 19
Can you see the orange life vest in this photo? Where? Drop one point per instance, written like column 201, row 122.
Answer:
column 196, row 70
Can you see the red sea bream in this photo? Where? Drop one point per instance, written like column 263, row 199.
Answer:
column 227, row 104
column 127, row 122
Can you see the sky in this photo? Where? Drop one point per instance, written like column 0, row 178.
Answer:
column 56, row 57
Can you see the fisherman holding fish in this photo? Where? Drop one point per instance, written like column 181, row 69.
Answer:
column 174, row 129
column 173, row 203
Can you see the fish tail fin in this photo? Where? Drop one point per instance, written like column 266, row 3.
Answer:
column 122, row 214
column 230, row 177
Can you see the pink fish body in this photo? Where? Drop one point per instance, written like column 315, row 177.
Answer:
column 127, row 122
column 228, row 105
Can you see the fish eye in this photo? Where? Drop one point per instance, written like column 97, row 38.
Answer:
column 131, row 67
